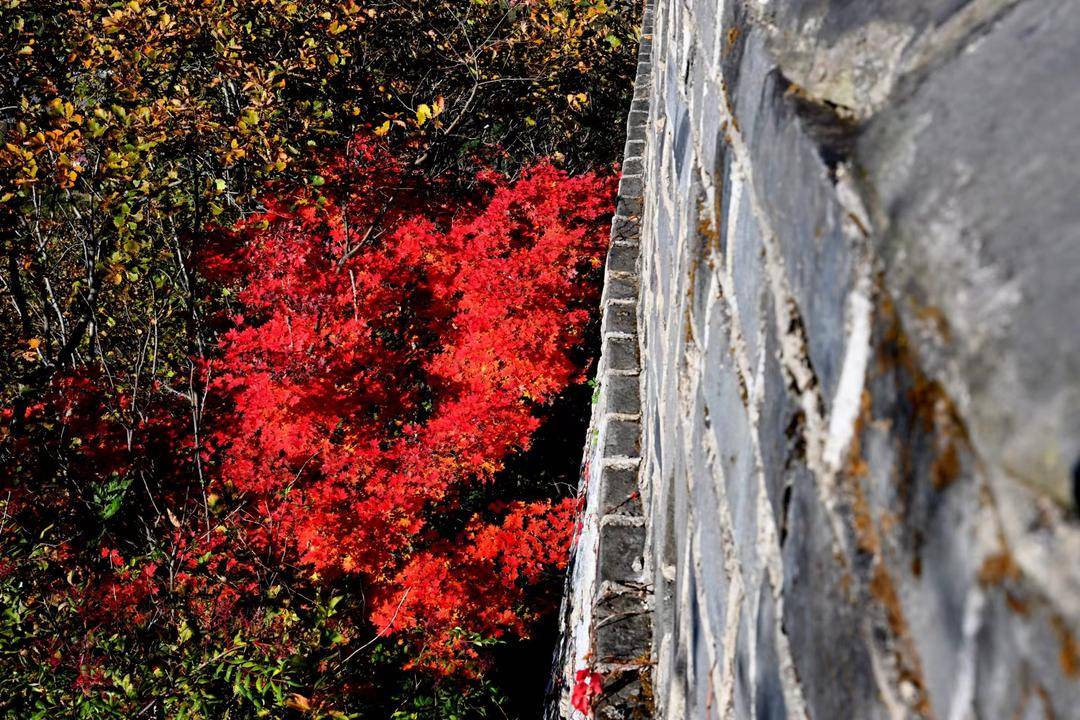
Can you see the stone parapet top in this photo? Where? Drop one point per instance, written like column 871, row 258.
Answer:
column 607, row 612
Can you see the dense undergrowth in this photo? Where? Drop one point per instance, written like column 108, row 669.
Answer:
column 297, row 299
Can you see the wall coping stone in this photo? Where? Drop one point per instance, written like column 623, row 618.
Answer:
column 606, row 615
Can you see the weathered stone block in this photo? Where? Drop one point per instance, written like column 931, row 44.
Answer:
column 621, row 551
column 623, row 394
column 625, row 230
column 630, row 187
column 629, row 206
column 637, row 119
column 620, row 318
column 622, row 259
column 619, row 494
column 622, row 438
column 633, row 166
column 621, row 288
column 621, row 638
column 621, row 353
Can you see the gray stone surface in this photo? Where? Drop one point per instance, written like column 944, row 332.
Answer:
column 622, row 545
column 619, row 491
column 624, row 396
column 850, row 235
column 621, row 353
column 607, row 610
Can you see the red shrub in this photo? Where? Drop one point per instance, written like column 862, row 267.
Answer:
column 390, row 352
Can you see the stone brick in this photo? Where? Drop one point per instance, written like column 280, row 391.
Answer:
column 619, row 318
column 630, row 206
column 625, row 229
column 623, row 394
column 622, row 438
column 621, row 353
column 633, row 166
column 621, row 638
column 637, row 119
column 619, row 493
column 622, row 259
column 621, row 288
column 621, row 552
column 630, row 187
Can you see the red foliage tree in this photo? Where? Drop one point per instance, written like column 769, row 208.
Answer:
column 390, row 352
column 333, row 467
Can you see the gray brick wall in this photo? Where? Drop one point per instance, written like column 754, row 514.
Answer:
column 848, row 394
column 860, row 249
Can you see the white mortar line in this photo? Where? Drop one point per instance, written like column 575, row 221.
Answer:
column 847, row 400
column 962, row 706
column 724, row 665
column 793, row 352
column 889, row 698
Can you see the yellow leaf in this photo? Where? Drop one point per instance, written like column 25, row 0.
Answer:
column 383, row 129
column 34, row 343
column 297, row 701
column 437, row 106
column 423, row 113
